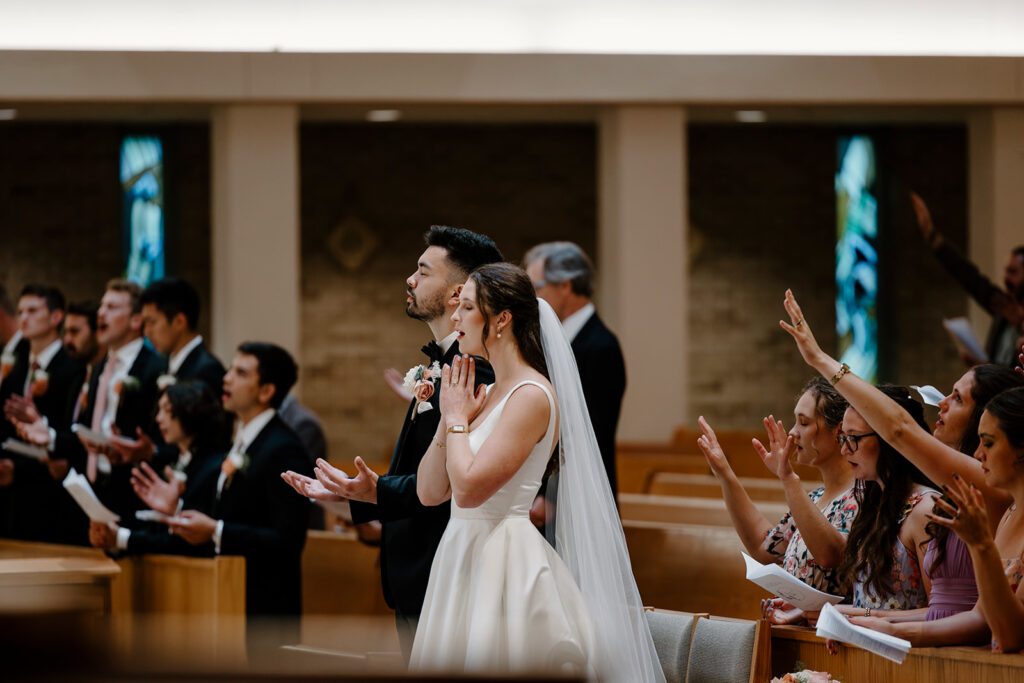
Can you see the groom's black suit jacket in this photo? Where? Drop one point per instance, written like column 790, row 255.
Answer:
column 603, row 376
column 411, row 531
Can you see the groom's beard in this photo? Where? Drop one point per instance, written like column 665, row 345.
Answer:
column 426, row 310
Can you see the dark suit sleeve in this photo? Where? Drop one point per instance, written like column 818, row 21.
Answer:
column 312, row 437
column 981, row 289
column 603, row 376
column 289, row 512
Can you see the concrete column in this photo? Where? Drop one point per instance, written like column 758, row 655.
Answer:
column 996, row 204
column 255, row 241
column 642, row 262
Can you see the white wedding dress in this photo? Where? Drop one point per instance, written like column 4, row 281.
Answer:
column 500, row 599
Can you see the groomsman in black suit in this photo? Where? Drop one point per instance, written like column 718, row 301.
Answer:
column 121, row 398
column 564, row 277
column 170, row 314
column 254, row 512
column 411, row 531
column 40, row 508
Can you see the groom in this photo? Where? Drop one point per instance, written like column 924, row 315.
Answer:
column 410, row 531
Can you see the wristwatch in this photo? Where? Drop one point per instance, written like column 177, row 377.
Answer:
column 458, row 429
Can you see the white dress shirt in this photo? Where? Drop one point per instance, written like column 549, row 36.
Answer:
column 575, row 322
column 12, row 342
column 175, row 361
column 126, row 356
column 447, row 342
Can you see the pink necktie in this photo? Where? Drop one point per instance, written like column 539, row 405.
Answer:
column 98, row 411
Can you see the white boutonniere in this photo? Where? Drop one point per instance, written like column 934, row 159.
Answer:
column 419, row 382
column 40, row 382
column 165, row 380
column 179, row 467
column 129, row 384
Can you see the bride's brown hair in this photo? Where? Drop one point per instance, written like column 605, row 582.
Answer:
column 504, row 287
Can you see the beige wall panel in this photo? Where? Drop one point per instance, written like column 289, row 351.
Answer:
column 255, row 208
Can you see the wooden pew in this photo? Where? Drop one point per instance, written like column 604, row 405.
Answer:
column 708, row 486
column 182, row 604
column 792, row 645
column 45, row 577
column 692, row 568
column 637, row 463
column 340, row 575
column 687, row 510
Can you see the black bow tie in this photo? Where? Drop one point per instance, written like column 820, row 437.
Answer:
column 433, row 351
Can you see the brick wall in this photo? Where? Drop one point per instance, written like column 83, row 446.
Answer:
column 763, row 219
column 60, row 206
column 519, row 184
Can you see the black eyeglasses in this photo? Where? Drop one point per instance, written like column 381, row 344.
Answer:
column 852, row 441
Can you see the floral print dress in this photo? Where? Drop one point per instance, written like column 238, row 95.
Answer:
column 1014, row 570
column 785, row 542
column 906, row 582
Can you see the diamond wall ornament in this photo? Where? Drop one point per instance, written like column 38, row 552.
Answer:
column 352, row 243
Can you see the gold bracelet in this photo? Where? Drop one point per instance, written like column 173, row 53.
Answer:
column 840, row 373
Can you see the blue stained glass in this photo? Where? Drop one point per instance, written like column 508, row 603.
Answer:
column 857, row 256
column 142, row 186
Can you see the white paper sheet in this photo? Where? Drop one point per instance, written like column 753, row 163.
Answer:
column 781, row 583
column 90, row 435
column 964, row 338
column 929, row 394
column 834, row 626
column 78, row 486
column 26, row 449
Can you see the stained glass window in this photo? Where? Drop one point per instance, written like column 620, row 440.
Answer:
column 142, row 186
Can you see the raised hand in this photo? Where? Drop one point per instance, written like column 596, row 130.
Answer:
column 21, row 409
column 132, row 450
column 195, row 527
column 712, row 450
column 310, row 488
column 158, row 494
column 35, row 432
column 362, row 487
column 924, row 219
column 780, row 448
column 461, row 399
column 396, row 381
column 800, row 330
column 102, row 536
column 966, row 516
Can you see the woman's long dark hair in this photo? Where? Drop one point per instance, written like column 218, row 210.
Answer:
column 504, row 287
column 1008, row 410
column 989, row 381
column 200, row 414
column 875, row 531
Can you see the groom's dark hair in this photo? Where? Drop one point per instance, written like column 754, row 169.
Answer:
column 467, row 250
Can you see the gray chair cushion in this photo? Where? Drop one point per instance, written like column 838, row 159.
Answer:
column 721, row 651
column 671, row 634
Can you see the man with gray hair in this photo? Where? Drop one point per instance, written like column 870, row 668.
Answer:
column 563, row 276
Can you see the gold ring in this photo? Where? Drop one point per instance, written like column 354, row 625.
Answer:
column 800, row 322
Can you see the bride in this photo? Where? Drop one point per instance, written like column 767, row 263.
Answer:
column 500, row 598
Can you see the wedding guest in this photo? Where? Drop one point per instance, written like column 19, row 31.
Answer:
column 253, row 512
column 999, row 558
column 563, row 275
column 14, row 347
column 10, row 334
column 411, row 531
column 810, row 539
column 190, row 418
column 1006, row 306
column 932, row 454
column 170, row 314
column 121, row 398
column 41, row 509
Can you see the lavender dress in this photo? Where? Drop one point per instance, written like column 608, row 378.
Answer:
column 953, row 586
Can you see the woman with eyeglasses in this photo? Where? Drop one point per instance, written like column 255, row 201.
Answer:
column 943, row 456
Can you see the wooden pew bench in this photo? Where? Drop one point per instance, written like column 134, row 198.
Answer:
column 692, row 568
column 708, row 486
column 791, row 645
column 688, row 510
